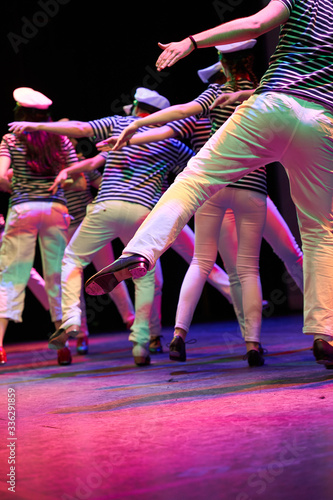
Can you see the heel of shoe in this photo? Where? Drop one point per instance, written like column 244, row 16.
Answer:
column 82, row 345
column 254, row 358
column 3, row 356
column 64, row 356
column 138, row 271
column 140, row 355
column 177, row 350
column 323, row 352
column 99, row 285
column 59, row 338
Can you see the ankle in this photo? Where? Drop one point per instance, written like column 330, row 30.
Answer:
column 326, row 338
column 72, row 328
column 252, row 346
column 180, row 332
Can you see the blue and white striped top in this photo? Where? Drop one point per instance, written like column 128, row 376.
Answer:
column 28, row 185
column 136, row 173
column 195, row 130
column 302, row 63
column 77, row 201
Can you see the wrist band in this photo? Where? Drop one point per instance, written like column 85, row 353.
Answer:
column 193, row 41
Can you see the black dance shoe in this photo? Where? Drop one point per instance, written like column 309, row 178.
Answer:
column 59, row 338
column 255, row 358
column 155, row 344
column 177, row 351
column 121, row 269
column 323, row 352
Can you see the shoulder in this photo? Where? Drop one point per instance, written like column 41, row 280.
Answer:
column 12, row 143
column 180, row 147
column 9, row 138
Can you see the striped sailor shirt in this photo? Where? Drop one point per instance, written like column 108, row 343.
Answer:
column 136, row 173
column 302, row 64
column 77, row 201
column 28, row 185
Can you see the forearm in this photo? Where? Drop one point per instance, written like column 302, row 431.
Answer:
column 79, row 167
column 70, row 128
column 154, row 135
column 170, row 114
column 77, row 182
column 231, row 32
column 5, row 180
column 87, row 165
column 238, row 30
column 5, row 184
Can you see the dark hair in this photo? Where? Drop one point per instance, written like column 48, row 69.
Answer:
column 44, row 150
column 218, row 77
column 146, row 107
column 240, row 64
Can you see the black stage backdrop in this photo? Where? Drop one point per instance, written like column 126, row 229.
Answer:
column 89, row 57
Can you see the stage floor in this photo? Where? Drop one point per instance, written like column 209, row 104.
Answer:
column 210, row 428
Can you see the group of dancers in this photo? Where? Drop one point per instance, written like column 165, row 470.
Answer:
column 286, row 118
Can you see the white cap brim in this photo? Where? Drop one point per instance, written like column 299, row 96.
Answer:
column 205, row 73
column 151, row 97
column 235, row 47
column 127, row 109
column 30, row 98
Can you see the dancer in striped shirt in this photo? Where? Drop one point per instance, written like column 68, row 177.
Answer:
column 34, row 213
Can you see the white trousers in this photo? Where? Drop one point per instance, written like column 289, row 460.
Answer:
column 276, row 233
column 264, row 129
column 282, row 241
column 239, row 245
column 104, row 222
column 26, row 223
column 184, row 246
column 119, row 295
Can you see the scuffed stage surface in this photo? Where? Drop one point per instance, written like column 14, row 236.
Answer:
column 210, row 428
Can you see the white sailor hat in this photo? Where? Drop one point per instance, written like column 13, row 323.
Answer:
column 235, row 47
column 151, row 97
column 205, row 73
column 147, row 96
column 30, row 98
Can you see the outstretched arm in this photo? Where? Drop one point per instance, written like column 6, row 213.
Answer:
column 166, row 115
column 238, row 30
column 156, row 134
column 75, row 183
column 81, row 166
column 71, row 128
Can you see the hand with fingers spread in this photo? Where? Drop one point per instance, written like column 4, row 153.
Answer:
column 125, row 136
column 20, row 127
column 174, row 51
column 110, row 144
column 60, row 179
column 230, row 98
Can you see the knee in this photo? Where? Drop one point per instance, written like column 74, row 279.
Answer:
column 71, row 259
column 204, row 265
